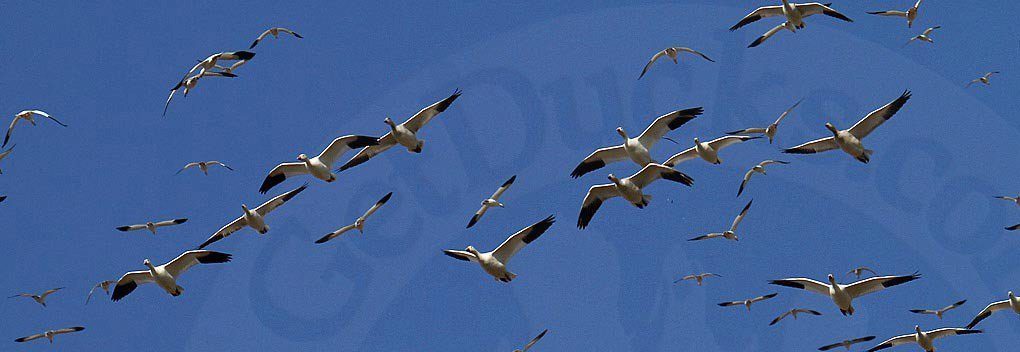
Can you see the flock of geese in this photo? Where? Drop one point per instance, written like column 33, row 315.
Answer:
column 636, row 149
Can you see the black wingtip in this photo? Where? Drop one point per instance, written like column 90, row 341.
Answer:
column 123, row 228
column 1013, row 228
column 539, row 228
column 214, row 258
column 253, row 44
column 757, row 42
column 455, row 256
column 586, row 167
column 385, row 198
column 787, row 283
column 474, row 220
column 271, row 181
column 798, row 151
column 510, row 181
column 363, row 141
column 680, row 177
column 324, row 239
column 244, row 55
column 180, row 221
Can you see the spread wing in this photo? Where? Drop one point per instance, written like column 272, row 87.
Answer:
column 815, row 8
column 343, row 144
column 889, row 13
column 652, row 172
column 815, row 146
column 651, row 61
column 680, row 157
column 535, row 340
column 189, row 259
column 987, row 312
column 277, row 201
column 592, row 202
column 461, row 255
column 895, row 341
column 665, row 123
column 129, row 282
column 517, row 241
column 378, row 204
column 335, row 234
column 761, row 12
column 225, row 231
column 281, row 173
column 425, row 115
column 739, row 218
column 599, row 159
column 695, row 52
column 864, row 127
column 506, row 185
column 386, row 142
column 787, row 112
column 944, row 332
column 767, row 35
column 170, row 222
column 878, row 283
column 130, row 227
column 803, row 284
column 188, row 166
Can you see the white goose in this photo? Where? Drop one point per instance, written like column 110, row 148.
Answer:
column 189, row 83
column 1011, row 303
column 637, row 149
column 793, row 313
column 730, row 234
column 847, row 343
column 5, row 154
column 849, row 140
column 405, row 134
column 673, row 53
column 105, row 285
column 320, row 166
column 794, row 14
column 204, row 166
column 925, row 339
column 275, row 32
column 494, row 262
column 630, row 188
column 491, row 201
column 986, row 79
column 38, row 298
column 843, row 295
column 769, row 131
column 939, row 312
column 697, row 277
column 166, row 275
column 533, row 341
column 748, row 302
column 359, row 223
column 152, row 226
column 49, row 334
column 27, row 115
column 910, row 14
column 924, row 36
column 210, row 62
column 706, row 151
column 253, row 218
column 760, row 168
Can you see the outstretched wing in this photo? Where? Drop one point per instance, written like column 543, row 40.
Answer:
column 651, row 61
column 815, row 146
column 864, row 127
column 761, row 12
column 343, row 144
column 423, row 117
column 878, row 283
column 189, row 259
column 522, row 238
column 665, row 123
column 129, row 282
column 599, row 159
column 592, row 202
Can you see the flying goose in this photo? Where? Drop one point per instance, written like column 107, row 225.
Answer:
column 730, row 234
column 673, row 53
column 939, row 312
column 5, row 154
column 793, row 313
column 27, row 115
column 320, row 166
column 359, row 223
column 166, row 275
column 38, row 298
column 189, row 83
column 983, row 79
column 491, row 201
column 697, row 277
column 924, row 36
column 49, row 334
column 910, row 14
column 254, row 218
column 494, row 262
column 105, row 285
column 405, row 134
column 629, row 188
column 706, row 151
column 858, row 271
column 636, row 149
column 849, row 140
column 533, row 341
column 1006, row 198
column 1011, row 303
column 152, row 226
column 843, row 295
column 275, row 31
column 925, row 339
column 846, row 343
column 204, row 166
column 769, row 131
column 794, row 14
column 210, row 62
column 748, row 302
column 760, row 168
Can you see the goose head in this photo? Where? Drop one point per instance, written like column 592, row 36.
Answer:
column 759, row 168
column 697, row 141
column 472, row 250
column 832, row 279
column 302, row 157
column 244, row 208
column 147, row 263
column 1011, row 296
column 360, row 225
column 831, row 128
column 917, row 328
column 390, row 122
column 622, row 132
column 616, row 180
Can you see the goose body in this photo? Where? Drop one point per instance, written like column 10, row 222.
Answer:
column 843, row 295
column 275, row 32
column 637, row 149
column 204, row 166
column 39, row 298
column 253, row 218
column 491, row 202
column 49, row 334
column 320, row 166
column 924, row 36
column 628, row 188
column 986, row 79
column 707, row 151
column 925, row 339
column 359, row 223
column 672, row 53
column 165, row 276
column 849, row 140
column 152, row 226
column 747, row 302
column 494, row 262
column 772, row 128
column 794, row 15
column 910, row 14
column 730, row 234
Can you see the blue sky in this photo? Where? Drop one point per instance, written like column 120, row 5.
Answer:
column 544, row 85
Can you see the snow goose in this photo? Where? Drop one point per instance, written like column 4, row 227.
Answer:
column 27, row 115
column 673, row 53
column 924, row 36
column 849, row 140
column 494, row 262
column 152, row 226
column 843, row 295
column 491, row 201
column 697, row 277
column 760, row 168
column 275, row 32
column 730, row 234
column 636, row 149
column 5, row 154
column 189, row 83
column 706, row 151
column 253, row 218
column 1015, row 200
column 320, row 166
column 405, row 134
column 49, row 334
column 794, row 14
column 793, row 313
column 105, row 285
column 846, row 343
column 769, row 131
column 748, row 302
column 210, row 62
column 983, row 79
column 38, row 298
column 166, row 275
column 858, row 271
column 630, row 188
column 533, row 341
column 925, row 339
column 939, row 312
column 910, row 14
column 1011, row 303
column 359, row 223
column 204, row 166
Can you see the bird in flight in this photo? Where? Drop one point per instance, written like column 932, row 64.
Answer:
column 925, row 339
column 204, row 166
column 697, row 277
column 672, row 53
column 38, row 298
column 939, row 312
column 637, row 149
column 275, row 32
column 49, row 334
column 152, row 226
column 748, row 302
column 843, row 295
column 769, row 131
column 359, row 223
column 986, row 79
column 166, row 275
column 910, row 14
column 495, row 262
column 29, row 116
column 794, row 14
column 630, row 188
column 846, row 343
column 849, row 140
column 491, row 202
column 760, row 168
column 730, row 234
